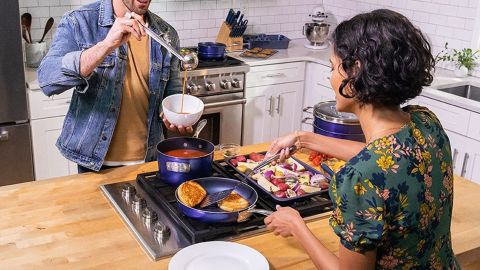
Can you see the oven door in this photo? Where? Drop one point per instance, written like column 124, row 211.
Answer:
column 224, row 115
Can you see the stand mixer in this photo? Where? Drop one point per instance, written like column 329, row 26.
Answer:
column 317, row 31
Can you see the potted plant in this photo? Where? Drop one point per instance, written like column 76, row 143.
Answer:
column 465, row 59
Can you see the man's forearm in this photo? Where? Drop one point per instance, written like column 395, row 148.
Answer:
column 92, row 57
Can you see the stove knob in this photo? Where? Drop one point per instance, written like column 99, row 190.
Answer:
column 128, row 191
column 226, row 84
column 138, row 203
column 149, row 216
column 161, row 232
column 210, row 86
column 236, row 83
column 192, row 88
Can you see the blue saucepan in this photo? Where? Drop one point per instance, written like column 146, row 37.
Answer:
column 176, row 170
column 213, row 214
column 211, row 51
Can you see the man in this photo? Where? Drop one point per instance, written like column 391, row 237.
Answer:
column 120, row 77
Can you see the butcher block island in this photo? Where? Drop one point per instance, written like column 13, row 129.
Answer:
column 67, row 223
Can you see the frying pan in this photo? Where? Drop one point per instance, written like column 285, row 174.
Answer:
column 214, row 214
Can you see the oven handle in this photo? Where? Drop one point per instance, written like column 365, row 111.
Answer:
column 225, row 103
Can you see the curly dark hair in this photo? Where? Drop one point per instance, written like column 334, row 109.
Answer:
column 395, row 58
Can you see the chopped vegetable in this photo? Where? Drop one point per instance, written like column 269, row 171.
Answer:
column 284, row 180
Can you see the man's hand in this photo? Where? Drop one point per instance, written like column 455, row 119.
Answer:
column 121, row 30
column 180, row 129
column 119, row 34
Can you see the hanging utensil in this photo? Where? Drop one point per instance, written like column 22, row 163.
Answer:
column 48, row 26
column 201, row 124
column 24, row 34
column 27, row 22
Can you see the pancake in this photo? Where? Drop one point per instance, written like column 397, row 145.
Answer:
column 233, row 202
column 191, row 193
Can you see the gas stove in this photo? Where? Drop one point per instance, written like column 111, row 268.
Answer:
column 148, row 207
column 216, row 77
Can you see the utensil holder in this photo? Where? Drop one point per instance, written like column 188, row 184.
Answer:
column 34, row 53
column 232, row 43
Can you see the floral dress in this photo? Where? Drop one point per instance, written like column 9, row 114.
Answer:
column 396, row 196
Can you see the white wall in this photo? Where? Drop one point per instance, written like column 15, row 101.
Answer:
column 452, row 21
column 195, row 20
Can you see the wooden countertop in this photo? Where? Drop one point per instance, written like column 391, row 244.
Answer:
column 67, row 223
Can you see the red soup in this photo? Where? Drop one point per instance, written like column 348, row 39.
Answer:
column 185, row 153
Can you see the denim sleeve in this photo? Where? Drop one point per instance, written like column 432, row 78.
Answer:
column 60, row 68
column 174, row 84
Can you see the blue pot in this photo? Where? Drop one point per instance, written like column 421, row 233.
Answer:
column 175, row 170
column 335, row 124
column 345, row 136
column 211, row 51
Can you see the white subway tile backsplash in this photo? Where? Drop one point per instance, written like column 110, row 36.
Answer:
column 442, row 21
column 27, row 3
column 456, row 22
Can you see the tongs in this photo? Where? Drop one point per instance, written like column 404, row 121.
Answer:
column 269, row 160
column 218, row 196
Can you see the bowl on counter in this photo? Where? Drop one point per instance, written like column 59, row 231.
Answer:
column 229, row 150
column 192, row 109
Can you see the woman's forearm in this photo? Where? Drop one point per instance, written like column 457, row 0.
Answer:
column 341, row 149
column 320, row 255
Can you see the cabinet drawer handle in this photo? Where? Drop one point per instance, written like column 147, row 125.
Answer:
column 464, row 166
column 270, row 106
column 278, row 104
column 274, row 75
column 454, row 161
column 4, row 136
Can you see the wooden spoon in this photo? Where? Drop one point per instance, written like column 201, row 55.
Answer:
column 24, row 33
column 27, row 21
column 48, row 26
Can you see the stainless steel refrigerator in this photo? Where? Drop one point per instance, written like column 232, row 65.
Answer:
column 16, row 163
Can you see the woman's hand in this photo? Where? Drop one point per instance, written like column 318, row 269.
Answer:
column 180, row 129
column 282, row 144
column 286, row 221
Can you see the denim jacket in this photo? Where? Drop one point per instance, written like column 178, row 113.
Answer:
column 90, row 122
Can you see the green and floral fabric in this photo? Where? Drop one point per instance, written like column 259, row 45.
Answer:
column 396, row 196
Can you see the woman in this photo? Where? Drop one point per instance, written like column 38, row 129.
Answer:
column 393, row 199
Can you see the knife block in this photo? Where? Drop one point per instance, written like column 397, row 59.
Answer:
column 232, row 43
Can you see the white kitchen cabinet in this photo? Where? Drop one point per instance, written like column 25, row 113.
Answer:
column 317, row 89
column 47, row 115
column 466, row 156
column 272, row 111
column 259, row 117
column 274, row 96
column 462, row 130
column 47, row 159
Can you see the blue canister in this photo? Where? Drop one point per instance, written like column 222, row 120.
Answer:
column 176, row 170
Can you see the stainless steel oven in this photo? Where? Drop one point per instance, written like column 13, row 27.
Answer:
column 220, row 85
column 224, row 114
